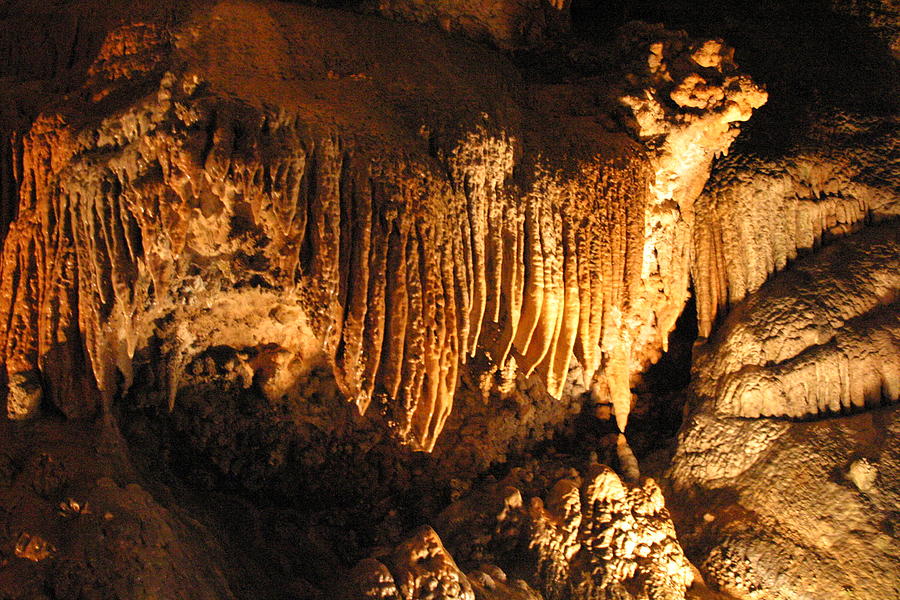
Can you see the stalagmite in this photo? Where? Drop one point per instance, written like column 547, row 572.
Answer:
column 605, row 538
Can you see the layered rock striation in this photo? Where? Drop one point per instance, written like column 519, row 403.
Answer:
column 760, row 214
column 789, row 437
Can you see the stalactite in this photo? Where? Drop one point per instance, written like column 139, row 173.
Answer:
column 401, row 263
column 757, row 215
column 838, row 351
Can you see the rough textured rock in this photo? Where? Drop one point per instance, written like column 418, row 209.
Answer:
column 883, row 16
column 491, row 583
column 301, row 219
column 794, row 516
column 692, row 116
column 822, row 338
column 604, row 539
column 509, row 23
column 422, row 568
column 268, row 241
column 784, row 470
column 801, row 507
column 77, row 523
column 607, row 541
column 759, row 214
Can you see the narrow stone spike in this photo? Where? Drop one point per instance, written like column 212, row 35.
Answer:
column 584, row 351
column 461, row 291
column 494, row 256
column 533, row 296
column 599, row 301
column 396, row 307
column 477, row 227
column 548, row 323
column 325, row 212
column 435, row 334
column 513, row 264
column 349, row 360
column 465, row 238
column 559, row 358
column 618, row 375
column 451, row 356
column 373, row 336
column 414, row 365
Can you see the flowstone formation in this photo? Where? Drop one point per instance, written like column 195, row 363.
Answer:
column 336, row 209
column 791, row 432
column 759, row 214
column 308, row 302
column 226, row 221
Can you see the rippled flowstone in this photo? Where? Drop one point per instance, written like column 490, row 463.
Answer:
column 791, row 436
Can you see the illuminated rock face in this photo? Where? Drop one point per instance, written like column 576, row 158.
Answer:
column 760, row 214
column 592, row 537
column 791, row 434
column 385, row 217
column 607, row 539
column 277, row 210
column 822, row 338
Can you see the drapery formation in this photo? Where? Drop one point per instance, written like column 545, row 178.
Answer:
column 372, row 222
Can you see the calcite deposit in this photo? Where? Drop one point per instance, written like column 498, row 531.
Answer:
column 607, row 540
column 760, row 214
column 592, row 537
column 349, row 299
column 199, row 209
column 791, row 428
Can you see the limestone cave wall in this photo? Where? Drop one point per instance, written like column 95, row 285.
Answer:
column 358, row 300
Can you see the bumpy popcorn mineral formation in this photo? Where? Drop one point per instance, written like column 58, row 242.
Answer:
column 790, row 430
column 592, row 537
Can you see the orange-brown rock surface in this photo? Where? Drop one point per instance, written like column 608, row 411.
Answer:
column 790, row 432
column 77, row 522
column 509, row 23
column 224, row 181
column 256, row 256
column 760, row 214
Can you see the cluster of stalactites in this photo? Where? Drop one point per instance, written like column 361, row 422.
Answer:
column 756, row 215
column 818, row 339
column 403, row 261
column 402, row 271
column 525, row 275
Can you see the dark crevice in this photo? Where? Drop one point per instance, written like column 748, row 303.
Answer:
column 660, row 396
